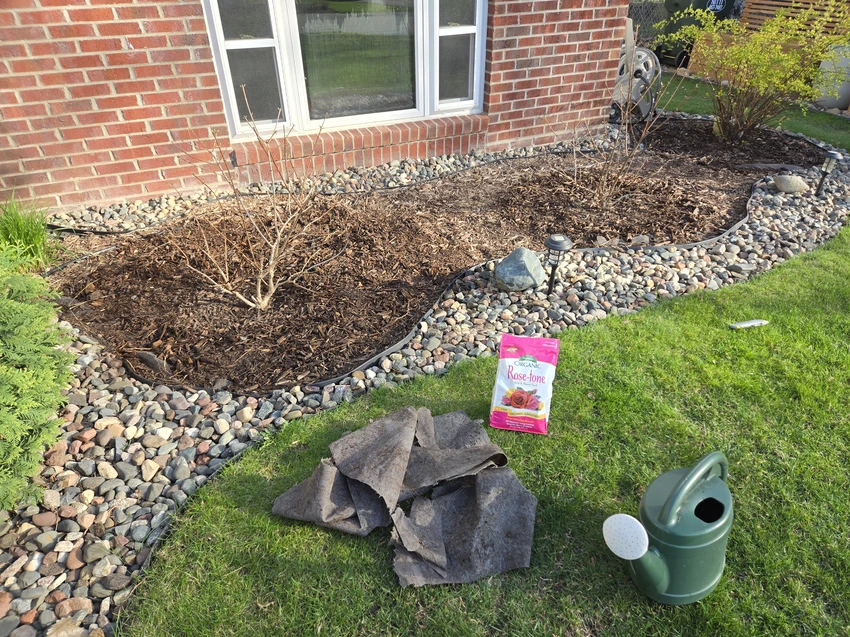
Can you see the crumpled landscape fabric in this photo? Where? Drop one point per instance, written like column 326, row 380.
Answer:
column 469, row 517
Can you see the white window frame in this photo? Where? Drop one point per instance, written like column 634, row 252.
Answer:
column 291, row 76
column 479, row 33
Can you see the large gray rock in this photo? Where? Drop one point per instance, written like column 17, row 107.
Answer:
column 23, row 631
column 520, row 270
column 790, row 183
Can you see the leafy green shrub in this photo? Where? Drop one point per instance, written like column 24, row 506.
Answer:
column 32, row 372
column 23, row 231
column 757, row 75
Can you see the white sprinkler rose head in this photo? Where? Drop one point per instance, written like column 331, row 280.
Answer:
column 625, row 536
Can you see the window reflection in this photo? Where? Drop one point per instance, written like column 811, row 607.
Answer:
column 358, row 56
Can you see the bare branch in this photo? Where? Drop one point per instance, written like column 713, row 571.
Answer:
column 261, row 248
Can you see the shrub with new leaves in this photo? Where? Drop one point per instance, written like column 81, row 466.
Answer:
column 32, row 372
column 757, row 75
column 23, row 232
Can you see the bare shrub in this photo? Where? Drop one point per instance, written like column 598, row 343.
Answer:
column 255, row 246
column 602, row 171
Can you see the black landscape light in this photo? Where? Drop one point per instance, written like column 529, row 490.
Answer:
column 556, row 246
column 832, row 159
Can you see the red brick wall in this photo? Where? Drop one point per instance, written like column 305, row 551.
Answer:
column 550, row 68
column 363, row 146
column 105, row 100
column 97, row 97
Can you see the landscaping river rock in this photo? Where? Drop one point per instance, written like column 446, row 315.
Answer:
column 131, row 454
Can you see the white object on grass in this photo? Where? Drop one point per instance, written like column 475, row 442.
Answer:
column 745, row 324
column 625, row 536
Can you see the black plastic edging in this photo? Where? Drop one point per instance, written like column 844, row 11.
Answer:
column 595, row 250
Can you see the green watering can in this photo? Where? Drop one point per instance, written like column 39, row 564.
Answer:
column 677, row 550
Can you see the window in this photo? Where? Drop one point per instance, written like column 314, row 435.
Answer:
column 338, row 63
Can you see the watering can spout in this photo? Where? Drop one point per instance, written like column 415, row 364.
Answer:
column 651, row 571
column 627, row 538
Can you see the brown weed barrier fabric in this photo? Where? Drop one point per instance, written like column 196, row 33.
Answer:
column 469, row 517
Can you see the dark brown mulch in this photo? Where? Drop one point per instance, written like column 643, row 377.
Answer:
column 694, row 139
column 601, row 208
column 402, row 248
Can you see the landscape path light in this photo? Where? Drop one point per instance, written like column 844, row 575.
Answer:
column 556, row 246
column 829, row 164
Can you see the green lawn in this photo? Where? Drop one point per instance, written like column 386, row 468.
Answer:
column 692, row 96
column 634, row 396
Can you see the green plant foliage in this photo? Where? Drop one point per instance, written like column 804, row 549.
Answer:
column 23, row 230
column 33, row 370
column 757, row 75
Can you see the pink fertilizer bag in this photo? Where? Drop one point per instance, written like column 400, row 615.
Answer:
column 523, row 393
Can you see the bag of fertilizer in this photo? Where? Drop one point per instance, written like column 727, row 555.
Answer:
column 523, row 393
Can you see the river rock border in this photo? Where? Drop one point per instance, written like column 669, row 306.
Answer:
column 132, row 453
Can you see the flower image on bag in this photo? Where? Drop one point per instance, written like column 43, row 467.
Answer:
column 523, row 390
column 521, row 399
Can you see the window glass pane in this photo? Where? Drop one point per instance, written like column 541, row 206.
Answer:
column 455, row 13
column 242, row 19
column 257, row 71
column 456, row 66
column 358, row 56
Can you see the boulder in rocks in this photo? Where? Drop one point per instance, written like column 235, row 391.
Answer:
column 8, row 624
column 56, row 456
column 27, row 618
column 73, row 605
column 152, row 441
column 117, row 582
column 46, row 518
column 51, row 499
column 5, row 602
column 95, row 551
column 149, row 470
column 24, row 631
column 75, row 559
column 520, row 270
column 790, row 183
column 66, row 628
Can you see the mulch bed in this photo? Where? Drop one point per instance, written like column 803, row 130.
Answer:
column 393, row 253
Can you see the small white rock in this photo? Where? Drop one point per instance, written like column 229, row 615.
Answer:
column 149, row 470
column 106, row 470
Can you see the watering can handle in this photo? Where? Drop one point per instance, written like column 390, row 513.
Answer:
column 686, row 484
